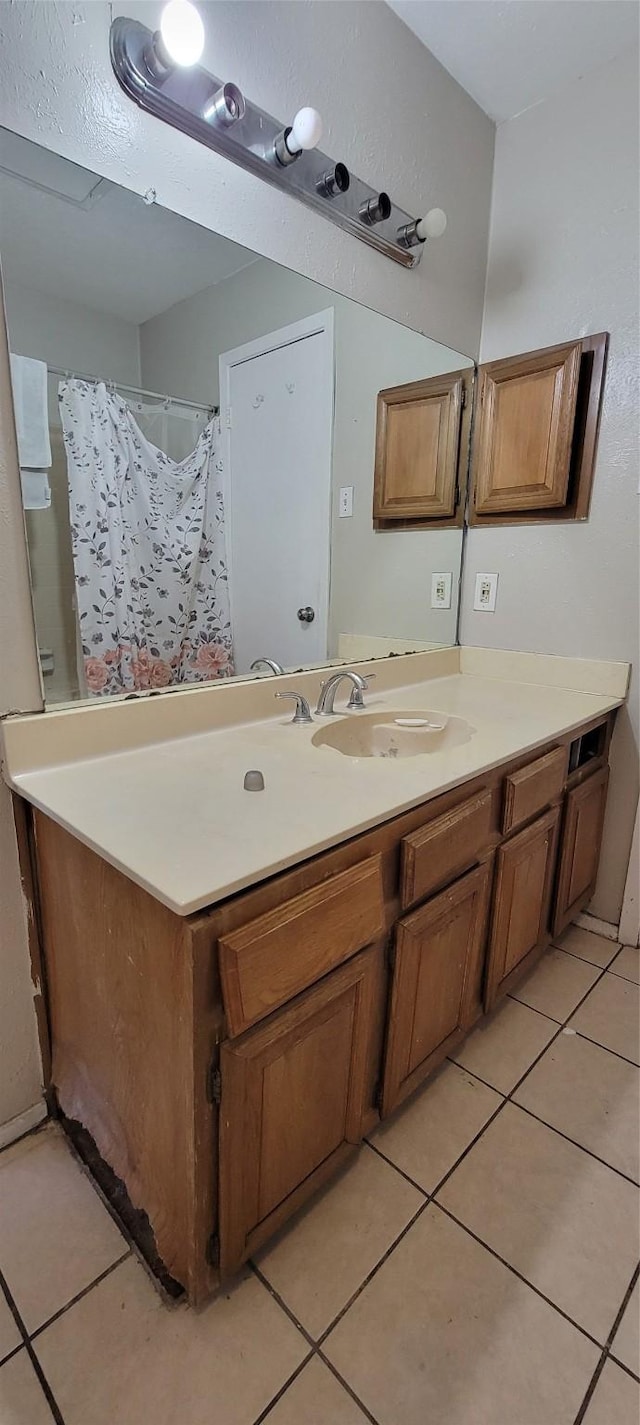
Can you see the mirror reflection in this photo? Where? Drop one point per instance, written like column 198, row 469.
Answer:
column 200, row 431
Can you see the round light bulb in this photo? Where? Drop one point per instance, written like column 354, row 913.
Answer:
column 433, row 225
column 306, row 130
column 182, row 32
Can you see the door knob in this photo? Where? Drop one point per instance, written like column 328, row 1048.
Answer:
column 306, row 615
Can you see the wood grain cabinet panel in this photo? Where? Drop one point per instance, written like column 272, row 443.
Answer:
column 580, row 847
column 522, row 447
column 271, row 959
column 533, row 788
column 435, row 986
column 522, row 899
column 445, row 847
column 417, row 447
column 294, row 1098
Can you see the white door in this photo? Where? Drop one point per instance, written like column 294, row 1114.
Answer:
column 277, row 412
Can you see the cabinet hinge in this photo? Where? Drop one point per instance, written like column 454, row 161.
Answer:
column 214, row 1084
column 213, row 1250
column 228, row 420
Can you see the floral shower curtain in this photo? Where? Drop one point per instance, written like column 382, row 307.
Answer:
column 148, row 549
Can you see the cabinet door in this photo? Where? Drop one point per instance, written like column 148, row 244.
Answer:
column 417, row 444
column 435, row 992
column 293, row 1102
column 522, row 447
column 580, row 847
column 522, row 898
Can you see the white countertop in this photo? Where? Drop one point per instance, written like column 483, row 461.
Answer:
column 174, row 817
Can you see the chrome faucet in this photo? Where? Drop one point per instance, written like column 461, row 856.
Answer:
column 328, row 691
column 275, row 668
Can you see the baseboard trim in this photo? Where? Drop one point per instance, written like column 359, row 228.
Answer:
column 22, row 1123
column 597, row 927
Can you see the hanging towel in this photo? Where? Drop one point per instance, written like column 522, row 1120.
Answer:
column 36, row 491
column 29, row 381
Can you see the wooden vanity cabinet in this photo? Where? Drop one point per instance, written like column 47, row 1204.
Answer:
column 436, row 982
column 215, row 1069
column 522, row 899
column 294, row 1103
column 582, row 826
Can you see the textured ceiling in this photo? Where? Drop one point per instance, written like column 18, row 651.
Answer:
column 511, row 54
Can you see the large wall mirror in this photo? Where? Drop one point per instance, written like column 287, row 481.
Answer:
column 200, row 435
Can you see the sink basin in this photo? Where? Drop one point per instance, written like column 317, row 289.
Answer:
column 404, row 733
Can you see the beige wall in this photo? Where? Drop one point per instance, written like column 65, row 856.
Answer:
column 563, row 262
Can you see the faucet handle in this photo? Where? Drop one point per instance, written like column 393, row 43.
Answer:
column 303, row 711
column 356, row 700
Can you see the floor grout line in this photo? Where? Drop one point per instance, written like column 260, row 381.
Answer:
column 606, row 1351
column 314, row 1351
column 80, row 1294
column 30, row 1133
column 44, row 1384
column 349, row 1388
column 579, row 1033
column 516, row 1273
column 574, row 1142
column 264, row 1414
column 10, row 1354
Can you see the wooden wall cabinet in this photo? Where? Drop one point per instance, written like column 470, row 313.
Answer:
column 418, row 445
column 535, row 434
column 215, row 1070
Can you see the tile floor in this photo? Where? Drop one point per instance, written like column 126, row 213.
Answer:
column 477, row 1264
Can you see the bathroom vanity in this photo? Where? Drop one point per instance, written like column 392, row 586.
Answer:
column 217, row 1062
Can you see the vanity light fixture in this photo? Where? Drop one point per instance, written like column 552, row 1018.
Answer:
column 225, row 107
column 300, row 137
column 180, row 39
column 335, row 180
column 431, row 226
column 375, row 210
column 161, row 73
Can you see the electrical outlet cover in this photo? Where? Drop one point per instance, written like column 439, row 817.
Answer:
column 486, row 593
column 441, row 590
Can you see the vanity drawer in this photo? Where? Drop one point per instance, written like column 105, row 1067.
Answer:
column 445, row 847
column 533, row 788
column 269, row 961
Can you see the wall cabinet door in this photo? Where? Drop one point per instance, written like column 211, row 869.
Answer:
column 522, row 898
column 417, row 446
column 523, row 440
column 580, row 847
column 294, row 1095
column 435, row 992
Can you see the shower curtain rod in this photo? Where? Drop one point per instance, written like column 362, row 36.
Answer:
column 132, row 390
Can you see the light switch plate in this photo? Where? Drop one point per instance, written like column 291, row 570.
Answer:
column 441, row 590
column 486, row 593
column 345, row 506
